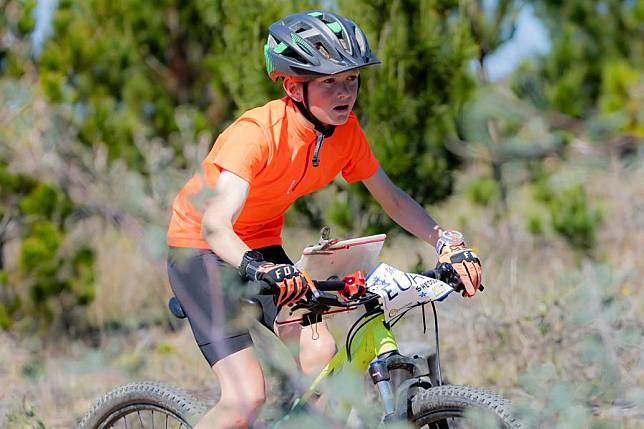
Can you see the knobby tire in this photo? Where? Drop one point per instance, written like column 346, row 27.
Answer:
column 128, row 401
column 431, row 406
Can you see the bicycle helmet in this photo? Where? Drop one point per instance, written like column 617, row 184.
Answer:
column 312, row 44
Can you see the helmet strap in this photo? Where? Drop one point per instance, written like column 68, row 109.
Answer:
column 303, row 107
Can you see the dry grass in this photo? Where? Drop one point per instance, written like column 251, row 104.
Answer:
column 130, row 287
column 526, row 278
column 58, row 384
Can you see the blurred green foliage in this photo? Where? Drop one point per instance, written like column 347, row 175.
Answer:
column 127, row 66
column 491, row 24
column 483, row 191
column 408, row 104
column 572, row 213
column 21, row 415
column 505, row 133
column 574, row 218
column 51, row 280
column 596, row 64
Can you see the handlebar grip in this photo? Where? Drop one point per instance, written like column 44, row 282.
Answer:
column 446, row 274
column 431, row 274
column 329, row 285
column 322, row 285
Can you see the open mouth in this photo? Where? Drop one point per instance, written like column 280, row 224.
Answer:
column 343, row 108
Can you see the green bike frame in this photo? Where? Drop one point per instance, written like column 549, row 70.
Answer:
column 371, row 340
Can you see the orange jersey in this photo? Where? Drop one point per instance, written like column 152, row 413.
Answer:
column 271, row 148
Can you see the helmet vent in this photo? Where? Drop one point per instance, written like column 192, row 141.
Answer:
column 301, row 28
column 361, row 41
column 343, row 42
column 294, row 55
column 289, row 52
column 320, row 47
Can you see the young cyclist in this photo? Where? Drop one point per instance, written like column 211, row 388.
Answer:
column 255, row 170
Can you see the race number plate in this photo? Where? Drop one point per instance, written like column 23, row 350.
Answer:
column 401, row 291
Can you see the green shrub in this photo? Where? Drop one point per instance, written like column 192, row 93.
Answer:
column 5, row 317
column 57, row 280
column 572, row 215
column 26, row 22
column 535, row 224
column 38, row 251
column 50, row 279
column 340, row 214
column 483, row 191
column 574, row 218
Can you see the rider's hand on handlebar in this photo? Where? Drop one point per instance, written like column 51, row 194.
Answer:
column 466, row 263
column 290, row 284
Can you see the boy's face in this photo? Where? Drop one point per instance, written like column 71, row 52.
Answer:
column 331, row 98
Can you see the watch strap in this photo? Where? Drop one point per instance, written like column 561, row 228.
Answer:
column 449, row 237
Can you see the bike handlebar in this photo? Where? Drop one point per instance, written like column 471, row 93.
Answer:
column 329, row 285
column 321, row 285
column 443, row 272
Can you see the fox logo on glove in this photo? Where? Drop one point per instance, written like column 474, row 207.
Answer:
column 282, row 272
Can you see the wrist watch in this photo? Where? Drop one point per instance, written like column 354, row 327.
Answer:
column 250, row 256
column 449, row 237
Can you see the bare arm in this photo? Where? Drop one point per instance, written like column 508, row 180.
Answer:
column 221, row 213
column 402, row 208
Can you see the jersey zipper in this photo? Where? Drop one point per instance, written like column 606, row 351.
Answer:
column 316, row 152
column 314, row 161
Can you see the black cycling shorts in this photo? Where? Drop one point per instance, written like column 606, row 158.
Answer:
column 216, row 300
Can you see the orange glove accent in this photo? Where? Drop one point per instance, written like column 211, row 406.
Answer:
column 466, row 263
column 291, row 290
column 291, row 284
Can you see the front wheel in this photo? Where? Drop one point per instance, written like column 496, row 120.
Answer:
column 144, row 405
column 452, row 406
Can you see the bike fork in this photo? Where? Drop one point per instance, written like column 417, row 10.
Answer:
column 380, row 376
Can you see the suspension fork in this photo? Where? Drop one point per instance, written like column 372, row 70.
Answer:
column 395, row 403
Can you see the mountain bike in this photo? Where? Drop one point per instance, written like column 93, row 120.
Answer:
column 385, row 295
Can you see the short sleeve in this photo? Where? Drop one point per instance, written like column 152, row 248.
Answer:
column 361, row 163
column 241, row 149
